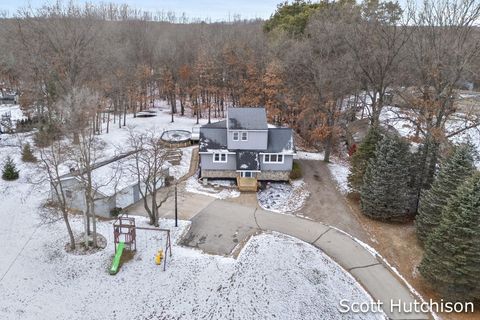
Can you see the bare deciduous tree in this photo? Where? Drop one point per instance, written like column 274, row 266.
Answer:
column 52, row 160
column 150, row 168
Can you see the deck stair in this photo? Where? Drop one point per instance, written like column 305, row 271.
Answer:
column 174, row 156
column 247, row 184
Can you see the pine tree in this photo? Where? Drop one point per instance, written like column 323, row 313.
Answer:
column 10, row 171
column 27, row 154
column 452, row 251
column 360, row 158
column 385, row 191
column 455, row 169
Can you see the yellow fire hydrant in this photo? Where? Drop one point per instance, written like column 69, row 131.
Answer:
column 159, row 257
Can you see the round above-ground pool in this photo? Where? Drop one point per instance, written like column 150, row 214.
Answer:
column 177, row 137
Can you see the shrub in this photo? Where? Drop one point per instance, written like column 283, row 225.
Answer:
column 115, row 211
column 27, row 154
column 10, row 171
column 296, row 172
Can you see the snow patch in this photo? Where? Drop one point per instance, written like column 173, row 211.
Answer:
column 194, row 186
column 282, row 197
column 340, row 171
column 303, row 155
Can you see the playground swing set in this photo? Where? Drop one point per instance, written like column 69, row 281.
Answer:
column 125, row 233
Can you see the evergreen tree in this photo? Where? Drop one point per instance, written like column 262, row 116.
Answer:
column 385, row 192
column 452, row 251
column 455, row 169
column 27, row 154
column 360, row 158
column 10, row 171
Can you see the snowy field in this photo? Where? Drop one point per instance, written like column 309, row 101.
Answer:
column 282, row 197
column 117, row 138
column 396, row 118
column 13, row 111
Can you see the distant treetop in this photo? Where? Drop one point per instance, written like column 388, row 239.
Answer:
column 293, row 17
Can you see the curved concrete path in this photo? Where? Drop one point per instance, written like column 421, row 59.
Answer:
column 221, row 226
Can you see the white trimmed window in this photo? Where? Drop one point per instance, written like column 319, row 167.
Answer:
column 235, row 135
column 244, row 136
column 219, row 157
column 247, row 174
column 273, row 158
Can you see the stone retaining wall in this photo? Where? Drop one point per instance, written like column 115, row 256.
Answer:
column 264, row 175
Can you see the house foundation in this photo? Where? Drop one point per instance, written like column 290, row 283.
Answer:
column 229, row 174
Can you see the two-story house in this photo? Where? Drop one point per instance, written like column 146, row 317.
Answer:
column 244, row 147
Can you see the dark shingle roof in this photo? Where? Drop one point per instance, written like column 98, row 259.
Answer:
column 218, row 124
column 280, row 140
column 212, row 138
column 247, row 160
column 247, row 119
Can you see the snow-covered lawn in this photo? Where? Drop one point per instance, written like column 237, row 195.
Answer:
column 117, row 138
column 398, row 119
column 283, row 197
column 12, row 110
column 39, row 280
column 340, row 170
column 48, row 283
column 183, row 167
column 303, row 155
column 219, row 191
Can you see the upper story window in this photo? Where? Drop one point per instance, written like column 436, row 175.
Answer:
column 244, row 136
column 235, row 135
column 273, row 158
column 219, row 157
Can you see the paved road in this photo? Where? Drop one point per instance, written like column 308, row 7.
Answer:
column 221, row 226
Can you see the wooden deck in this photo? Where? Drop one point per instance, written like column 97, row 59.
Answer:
column 247, row 184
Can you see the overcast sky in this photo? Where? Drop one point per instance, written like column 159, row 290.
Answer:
column 213, row 9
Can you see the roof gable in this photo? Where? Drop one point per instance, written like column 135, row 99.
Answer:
column 280, row 140
column 212, row 138
column 247, row 119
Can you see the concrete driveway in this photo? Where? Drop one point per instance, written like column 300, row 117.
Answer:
column 326, row 204
column 222, row 225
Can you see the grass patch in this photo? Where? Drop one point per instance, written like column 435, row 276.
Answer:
column 296, row 172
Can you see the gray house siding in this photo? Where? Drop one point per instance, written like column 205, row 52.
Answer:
column 104, row 206
column 257, row 140
column 76, row 198
column 285, row 166
column 208, row 164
